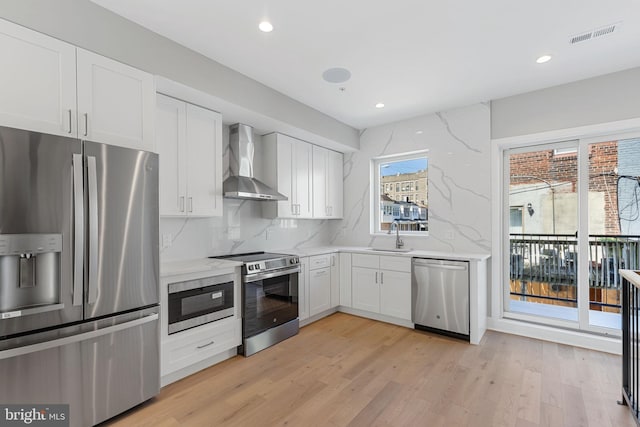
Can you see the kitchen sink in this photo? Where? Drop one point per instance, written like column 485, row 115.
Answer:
column 390, row 249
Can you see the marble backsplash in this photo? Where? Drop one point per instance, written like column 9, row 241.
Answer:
column 459, row 196
column 459, row 181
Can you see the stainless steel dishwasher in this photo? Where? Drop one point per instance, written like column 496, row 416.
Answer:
column 440, row 296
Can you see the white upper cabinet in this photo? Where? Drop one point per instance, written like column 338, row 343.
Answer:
column 37, row 81
column 310, row 177
column 116, row 102
column 53, row 87
column 189, row 142
column 204, row 162
column 289, row 164
column 327, row 183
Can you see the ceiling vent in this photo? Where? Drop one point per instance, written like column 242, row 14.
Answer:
column 595, row 33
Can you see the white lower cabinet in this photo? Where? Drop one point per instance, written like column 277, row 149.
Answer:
column 345, row 299
column 319, row 290
column 382, row 284
column 189, row 347
column 365, row 288
column 335, row 280
column 395, row 294
column 303, row 289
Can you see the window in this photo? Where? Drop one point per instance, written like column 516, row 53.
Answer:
column 408, row 205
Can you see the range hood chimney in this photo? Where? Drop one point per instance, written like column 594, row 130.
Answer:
column 241, row 184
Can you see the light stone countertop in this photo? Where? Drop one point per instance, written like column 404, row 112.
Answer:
column 219, row 266
column 320, row 250
column 222, row 266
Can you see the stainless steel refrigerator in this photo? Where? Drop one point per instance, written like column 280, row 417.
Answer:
column 79, row 275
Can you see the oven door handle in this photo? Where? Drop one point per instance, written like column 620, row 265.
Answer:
column 261, row 276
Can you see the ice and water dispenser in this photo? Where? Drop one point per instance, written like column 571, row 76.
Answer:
column 29, row 273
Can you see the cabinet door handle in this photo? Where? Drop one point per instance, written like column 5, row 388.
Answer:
column 206, row 345
column 181, row 203
column 376, row 277
column 333, row 260
column 190, row 199
column 86, row 124
column 381, row 277
column 70, row 125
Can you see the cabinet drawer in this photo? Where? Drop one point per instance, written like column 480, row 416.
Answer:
column 395, row 263
column 319, row 261
column 191, row 346
column 366, row 261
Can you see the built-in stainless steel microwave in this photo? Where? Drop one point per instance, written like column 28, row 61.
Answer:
column 196, row 302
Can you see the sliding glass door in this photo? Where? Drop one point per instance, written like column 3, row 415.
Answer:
column 542, row 186
column 572, row 220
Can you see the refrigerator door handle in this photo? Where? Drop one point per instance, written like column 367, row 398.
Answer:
column 78, row 228
column 46, row 345
column 92, row 180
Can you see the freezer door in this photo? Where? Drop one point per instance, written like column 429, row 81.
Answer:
column 99, row 369
column 122, row 261
column 36, row 231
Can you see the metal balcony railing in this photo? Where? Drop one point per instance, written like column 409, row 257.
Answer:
column 630, row 347
column 552, row 259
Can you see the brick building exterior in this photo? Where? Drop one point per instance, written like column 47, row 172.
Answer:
column 406, row 186
column 557, row 169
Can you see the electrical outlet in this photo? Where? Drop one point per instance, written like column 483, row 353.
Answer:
column 166, row 240
column 449, row 235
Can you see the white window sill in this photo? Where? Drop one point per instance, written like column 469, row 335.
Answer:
column 403, row 234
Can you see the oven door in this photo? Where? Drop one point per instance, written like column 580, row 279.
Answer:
column 197, row 302
column 269, row 300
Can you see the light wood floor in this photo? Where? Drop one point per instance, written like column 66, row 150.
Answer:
column 345, row 370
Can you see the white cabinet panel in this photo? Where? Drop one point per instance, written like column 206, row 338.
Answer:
column 327, row 183
column 320, row 261
column 190, row 147
column 395, row 294
column 335, row 280
column 396, row 263
column 335, row 184
column 303, row 289
column 320, row 202
column 365, row 289
column 170, row 139
column 303, row 180
column 345, row 280
column 116, row 102
column 290, row 176
column 366, row 261
column 38, row 81
column 204, row 162
column 319, row 290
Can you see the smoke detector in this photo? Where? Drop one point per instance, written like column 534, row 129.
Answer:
column 594, row 33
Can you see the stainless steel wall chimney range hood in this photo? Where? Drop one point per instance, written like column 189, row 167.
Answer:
column 241, row 184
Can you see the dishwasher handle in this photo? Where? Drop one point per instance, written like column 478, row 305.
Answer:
column 440, row 266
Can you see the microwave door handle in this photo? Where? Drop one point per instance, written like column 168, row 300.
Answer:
column 78, row 228
column 92, row 180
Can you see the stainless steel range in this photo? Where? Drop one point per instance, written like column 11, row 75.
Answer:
column 269, row 299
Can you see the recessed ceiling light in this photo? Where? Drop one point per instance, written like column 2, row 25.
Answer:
column 265, row 26
column 543, row 59
column 336, row 75
column 379, row 105
column 418, row 132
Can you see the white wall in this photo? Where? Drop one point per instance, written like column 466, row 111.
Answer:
column 242, row 228
column 601, row 99
column 91, row 27
column 458, row 174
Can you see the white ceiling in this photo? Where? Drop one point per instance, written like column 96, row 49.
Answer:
column 415, row 56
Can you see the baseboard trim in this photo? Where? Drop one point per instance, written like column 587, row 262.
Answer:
column 561, row 336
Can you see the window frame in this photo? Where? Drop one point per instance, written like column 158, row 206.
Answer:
column 375, row 181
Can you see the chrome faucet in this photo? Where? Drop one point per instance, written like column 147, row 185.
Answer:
column 399, row 242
